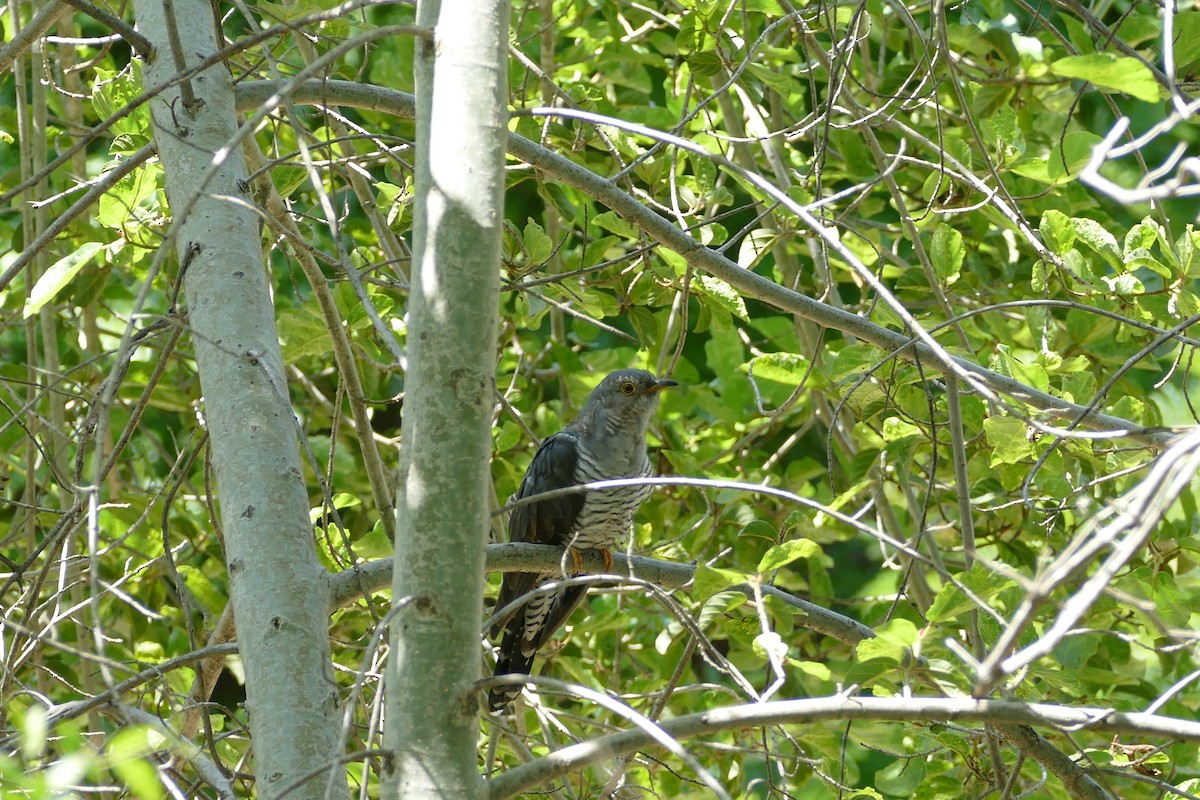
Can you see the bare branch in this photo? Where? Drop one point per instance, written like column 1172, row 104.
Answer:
column 352, row 583
column 42, row 21
column 799, row 712
column 140, row 44
column 1074, row 777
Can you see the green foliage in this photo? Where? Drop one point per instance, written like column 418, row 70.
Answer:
column 947, row 155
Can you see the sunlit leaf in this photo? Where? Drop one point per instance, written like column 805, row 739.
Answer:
column 58, row 275
column 1111, row 72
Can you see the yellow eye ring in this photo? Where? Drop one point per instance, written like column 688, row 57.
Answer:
column 628, row 388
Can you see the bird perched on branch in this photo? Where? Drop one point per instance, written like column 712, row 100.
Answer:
column 606, row 441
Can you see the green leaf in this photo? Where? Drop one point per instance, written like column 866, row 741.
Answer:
column 1171, row 605
column 759, row 529
column 949, row 604
column 781, row 82
column 723, row 294
column 537, row 243
column 719, row 604
column 866, row 793
column 791, row 550
column 1111, row 72
column 1124, row 285
column 850, row 362
column 705, row 65
column 1005, row 128
column 1057, row 231
column 897, row 430
column 1074, row 651
column 129, row 751
column 814, row 669
column 646, row 325
column 1144, row 258
column 203, row 589
column 615, row 223
column 786, row 368
column 1033, row 374
column 947, row 252
column 1142, row 236
column 820, row 582
column 1065, row 162
column 551, row 191
column 710, row 580
column 1036, row 168
column 755, row 245
column 952, row 601
column 691, row 37
column 118, row 207
column 57, row 276
column 1009, row 439
column 374, row 544
column 1098, row 238
column 1187, row 43
column 287, row 179
column 302, row 333
column 892, row 642
column 114, row 90
column 1186, row 247
column 993, row 98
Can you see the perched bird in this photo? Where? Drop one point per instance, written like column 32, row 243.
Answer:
column 606, row 441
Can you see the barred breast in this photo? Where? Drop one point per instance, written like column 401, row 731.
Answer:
column 607, row 515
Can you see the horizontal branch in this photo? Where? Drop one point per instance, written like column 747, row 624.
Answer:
column 58, row 712
column 841, row 709
column 251, row 94
column 353, row 583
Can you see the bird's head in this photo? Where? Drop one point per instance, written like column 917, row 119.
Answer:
column 625, row 397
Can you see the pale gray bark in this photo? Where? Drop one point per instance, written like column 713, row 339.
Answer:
column 351, row 583
column 919, row 710
column 442, row 506
column 279, row 591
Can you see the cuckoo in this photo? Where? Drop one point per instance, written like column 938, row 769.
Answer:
column 606, row 441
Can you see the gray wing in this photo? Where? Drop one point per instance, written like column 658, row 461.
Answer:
column 550, row 521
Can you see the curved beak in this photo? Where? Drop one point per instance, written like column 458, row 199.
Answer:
column 660, row 384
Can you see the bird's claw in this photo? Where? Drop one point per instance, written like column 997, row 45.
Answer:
column 577, row 560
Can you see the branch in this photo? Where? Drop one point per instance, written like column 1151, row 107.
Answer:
column 919, row 710
column 1122, row 527
column 205, row 767
column 56, row 713
column 138, row 43
column 42, row 21
column 96, row 189
column 644, row 725
column 251, row 94
column 352, row 583
column 1074, row 777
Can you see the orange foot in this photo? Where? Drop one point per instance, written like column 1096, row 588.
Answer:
column 577, row 560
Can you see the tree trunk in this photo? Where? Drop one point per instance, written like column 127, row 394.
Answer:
column 279, row 591
column 442, row 508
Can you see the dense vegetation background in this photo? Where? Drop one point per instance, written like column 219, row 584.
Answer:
column 804, row 213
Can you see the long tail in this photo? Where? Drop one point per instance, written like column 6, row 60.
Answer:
column 521, row 641
column 511, row 662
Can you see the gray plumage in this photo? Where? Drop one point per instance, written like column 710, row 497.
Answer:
column 606, row 441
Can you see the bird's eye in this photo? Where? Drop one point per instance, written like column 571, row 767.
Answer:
column 628, row 388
